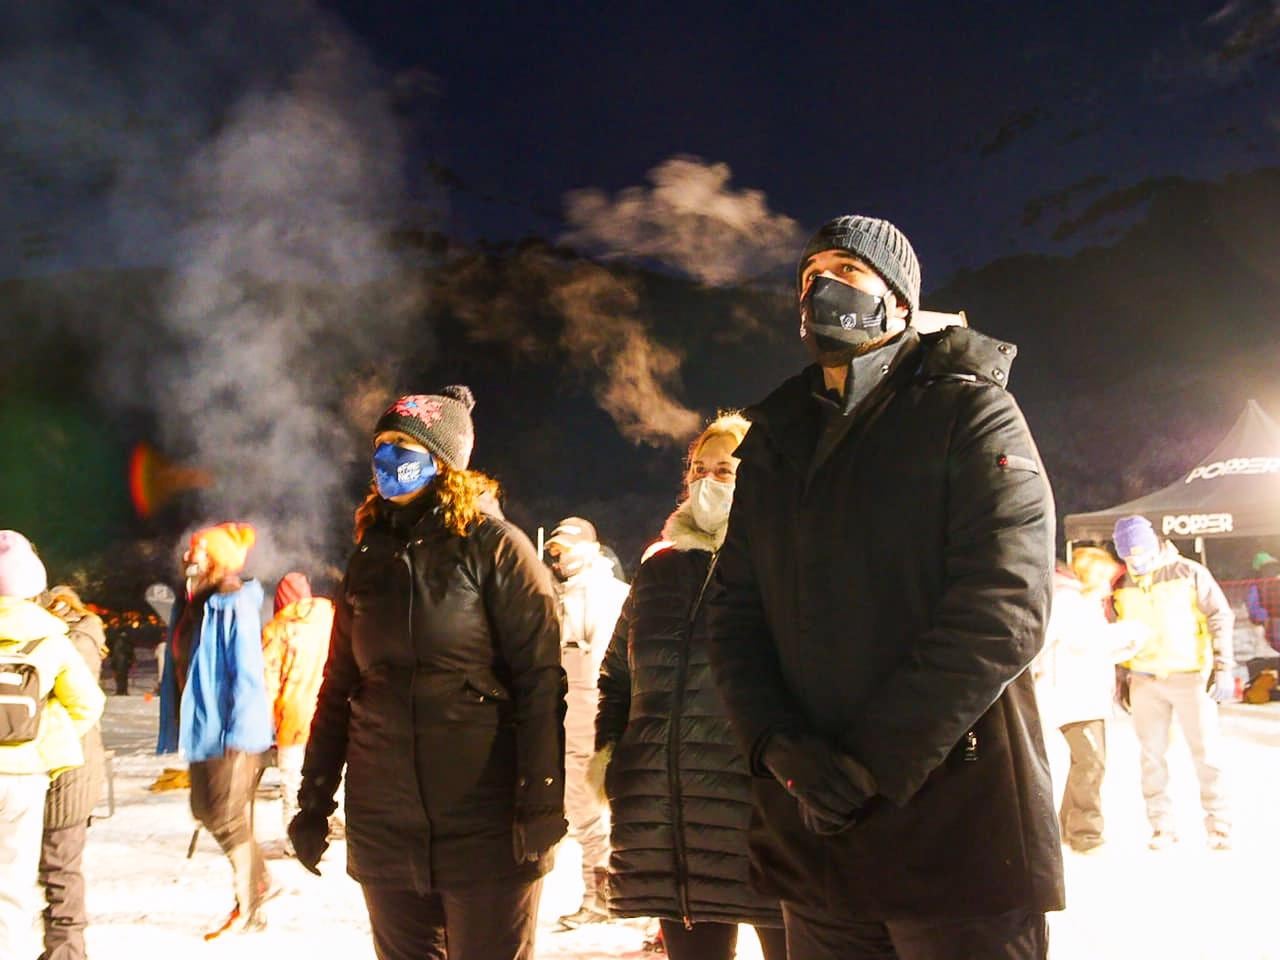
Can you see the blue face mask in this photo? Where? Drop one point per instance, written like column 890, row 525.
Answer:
column 398, row 470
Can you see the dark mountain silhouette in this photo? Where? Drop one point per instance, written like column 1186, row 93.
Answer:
column 1134, row 360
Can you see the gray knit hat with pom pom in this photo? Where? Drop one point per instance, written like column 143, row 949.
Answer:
column 441, row 422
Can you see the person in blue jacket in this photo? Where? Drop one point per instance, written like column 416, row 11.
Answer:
column 214, row 706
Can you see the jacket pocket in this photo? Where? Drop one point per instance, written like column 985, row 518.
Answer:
column 481, row 686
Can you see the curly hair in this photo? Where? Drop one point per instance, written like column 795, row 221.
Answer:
column 457, row 495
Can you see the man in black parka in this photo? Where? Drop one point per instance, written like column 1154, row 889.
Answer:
column 884, row 584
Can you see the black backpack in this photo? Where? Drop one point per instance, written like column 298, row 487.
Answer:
column 20, row 701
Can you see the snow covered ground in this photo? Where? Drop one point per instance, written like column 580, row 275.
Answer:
column 147, row 900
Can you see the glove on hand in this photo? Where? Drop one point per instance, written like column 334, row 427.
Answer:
column 309, row 834
column 830, row 787
column 1222, row 684
column 535, row 832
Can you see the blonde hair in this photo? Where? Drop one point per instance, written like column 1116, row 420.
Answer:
column 728, row 423
column 1088, row 563
column 457, row 494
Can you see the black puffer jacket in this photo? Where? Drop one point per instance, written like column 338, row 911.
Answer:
column 884, row 583
column 678, row 786
column 74, row 793
column 443, row 694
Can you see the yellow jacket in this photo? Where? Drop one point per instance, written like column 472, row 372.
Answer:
column 1189, row 617
column 74, row 701
column 295, row 646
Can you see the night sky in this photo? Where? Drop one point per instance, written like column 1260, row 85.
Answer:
column 948, row 118
column 234, row 230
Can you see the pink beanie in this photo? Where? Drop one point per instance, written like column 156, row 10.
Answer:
column 21, row 572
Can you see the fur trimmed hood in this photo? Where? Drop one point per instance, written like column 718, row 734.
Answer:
column 684, row 534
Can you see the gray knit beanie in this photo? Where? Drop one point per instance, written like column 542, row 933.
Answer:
column 878, row 243
column 440, row 422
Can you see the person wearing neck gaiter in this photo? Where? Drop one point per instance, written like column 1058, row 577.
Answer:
column 443, row 696
column 884, row 584
column 678, row 784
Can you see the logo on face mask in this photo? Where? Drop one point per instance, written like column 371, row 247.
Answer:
column 398, row 470
column 836, row 319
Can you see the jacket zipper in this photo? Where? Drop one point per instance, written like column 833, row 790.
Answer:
column 413, row 706
column 673, row 754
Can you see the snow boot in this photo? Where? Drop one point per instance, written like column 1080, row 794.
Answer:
column 595, row 902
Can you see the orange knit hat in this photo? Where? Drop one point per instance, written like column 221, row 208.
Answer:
column 227, row 544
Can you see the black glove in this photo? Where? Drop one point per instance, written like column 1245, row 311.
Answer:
column 309, row 834
column 831, row 788
column 535, row 832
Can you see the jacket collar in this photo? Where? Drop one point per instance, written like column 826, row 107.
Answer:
column 684, row 534
column 785, row 419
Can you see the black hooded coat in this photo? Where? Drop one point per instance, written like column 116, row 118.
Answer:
column 884, row 584
column 444, row 696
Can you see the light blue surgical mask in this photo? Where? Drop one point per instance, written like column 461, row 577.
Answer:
column 399, row 470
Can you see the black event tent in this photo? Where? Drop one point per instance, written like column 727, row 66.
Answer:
column 1233, row 492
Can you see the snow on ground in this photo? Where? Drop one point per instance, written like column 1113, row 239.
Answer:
column 147, row 900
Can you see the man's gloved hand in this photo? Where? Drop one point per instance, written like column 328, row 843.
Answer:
column 829, row 785
column 309, row 834
column 535, row 832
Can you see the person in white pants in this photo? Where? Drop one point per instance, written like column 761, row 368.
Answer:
column 591, row 598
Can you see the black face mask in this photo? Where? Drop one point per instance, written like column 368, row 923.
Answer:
column 837, row 319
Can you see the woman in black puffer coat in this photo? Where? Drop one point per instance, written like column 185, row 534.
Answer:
column 443, row 695
column 676, row 783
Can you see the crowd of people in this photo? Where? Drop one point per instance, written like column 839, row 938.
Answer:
column 817, row 709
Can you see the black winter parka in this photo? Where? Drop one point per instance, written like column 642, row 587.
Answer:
column 444, row 696
column 884, row 584
column 678, row 785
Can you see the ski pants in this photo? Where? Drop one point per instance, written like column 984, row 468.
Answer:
column 588, row 820
column 718, row 941
column 65, row 915
column 1155, row 702
column 494, row 921
column 222, row 795
column 1016, row 935
column 1080, row 816
column 21, row 829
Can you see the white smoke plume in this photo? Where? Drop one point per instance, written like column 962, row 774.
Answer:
column 285, row 294
column 689, row 219
column 602, row 331
column 539, row 304
column 251, row 154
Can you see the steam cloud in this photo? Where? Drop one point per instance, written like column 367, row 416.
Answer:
column 537, row 303
column 267, row 184
column 601, row 329
column 689, row 219
column 284, row 295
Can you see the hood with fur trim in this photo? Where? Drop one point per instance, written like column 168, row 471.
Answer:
column 684, row 534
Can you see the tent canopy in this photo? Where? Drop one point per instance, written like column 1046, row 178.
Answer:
column 1233, row 492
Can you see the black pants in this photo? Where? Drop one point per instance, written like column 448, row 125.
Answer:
column 487, row 922
column 718, row 941
column 65, row 916
column 1017, row 935
column 1081, row 814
